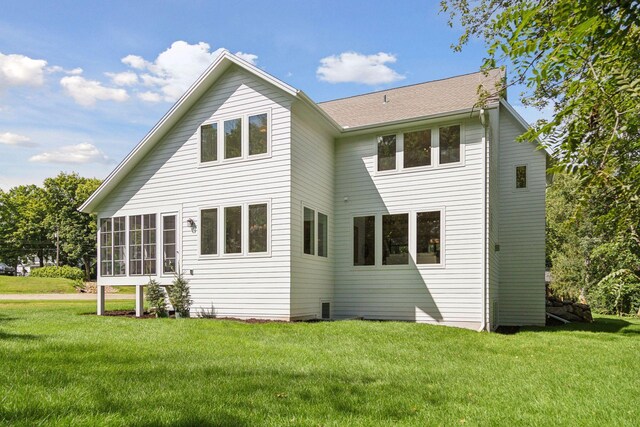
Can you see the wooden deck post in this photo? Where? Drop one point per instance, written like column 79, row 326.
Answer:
column 100, row 308
column 139, row 300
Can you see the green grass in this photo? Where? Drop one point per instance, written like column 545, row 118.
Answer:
column 35, row 285
column 61, row 366
column 45, row 285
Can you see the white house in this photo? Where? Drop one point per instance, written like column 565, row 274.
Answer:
column 409, row 203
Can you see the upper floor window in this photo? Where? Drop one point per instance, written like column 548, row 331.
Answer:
column 521, row 176
column 450, row 144
column 386, row 152
column 240, row 137
column 209, row 142
column 417, row 148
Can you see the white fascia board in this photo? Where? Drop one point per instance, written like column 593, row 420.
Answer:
column 175, row 113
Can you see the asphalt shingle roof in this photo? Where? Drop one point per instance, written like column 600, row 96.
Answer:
column 419, row 100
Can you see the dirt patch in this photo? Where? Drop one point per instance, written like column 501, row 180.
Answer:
column 92, row 288
column 129, row 313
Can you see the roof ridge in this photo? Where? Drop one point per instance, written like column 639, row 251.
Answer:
column 406, row 86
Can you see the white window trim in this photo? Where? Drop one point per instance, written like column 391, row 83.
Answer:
column 412, row 240
column 220, row 242
column 399, row 150
column 244, row 117
column 315, row 234
column 514, row 187
column 178, row 244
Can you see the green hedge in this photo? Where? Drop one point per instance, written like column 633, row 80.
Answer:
column 66, row 272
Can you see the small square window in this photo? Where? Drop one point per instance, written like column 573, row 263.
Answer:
column 521, row 176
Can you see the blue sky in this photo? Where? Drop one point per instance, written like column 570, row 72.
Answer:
column 82, row 82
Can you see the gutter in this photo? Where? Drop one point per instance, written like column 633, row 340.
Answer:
column 483, row 120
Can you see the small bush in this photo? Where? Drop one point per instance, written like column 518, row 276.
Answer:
column 180, row 297
column 617, row 293
column 156, row 298
column 65, row 272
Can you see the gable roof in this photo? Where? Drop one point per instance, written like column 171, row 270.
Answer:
column 410, row 102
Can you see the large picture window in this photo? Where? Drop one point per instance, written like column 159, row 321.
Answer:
column 396, row 246
column 417, row 148
column 428, row 237
column 364, row 240
column 450, row 144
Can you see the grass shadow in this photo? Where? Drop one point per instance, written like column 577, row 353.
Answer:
column 599, row 325
column 8, row 336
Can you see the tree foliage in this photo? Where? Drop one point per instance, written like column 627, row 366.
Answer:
column 580, row 58
column 30, row 217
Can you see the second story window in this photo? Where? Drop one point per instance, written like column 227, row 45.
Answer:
column 232, row 138
column 450, row 144
column 236, row 138
column 386, row 153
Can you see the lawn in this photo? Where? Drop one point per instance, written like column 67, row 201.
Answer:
column 35, row 285
column 62, row 366
column 44, row 285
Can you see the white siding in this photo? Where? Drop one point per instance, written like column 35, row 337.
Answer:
column 169, row 178
column 450, row 294
column 522, row 229
column 312, row 185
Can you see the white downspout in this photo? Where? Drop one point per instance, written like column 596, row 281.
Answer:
column 483, row 324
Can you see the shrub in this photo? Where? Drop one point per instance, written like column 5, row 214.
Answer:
column 180, row 297
column 617, row 293
column 156, row 298
column 65, row 271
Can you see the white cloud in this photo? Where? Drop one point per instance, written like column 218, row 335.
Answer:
column 175, row 69
column 87, row 92
column 249, row 57
column 59, row 69
column 14, row 139
column 20, row 70
column 74, row 154
column 150, row 96
column 135, row 61
column 126, row 78
column 353, row 67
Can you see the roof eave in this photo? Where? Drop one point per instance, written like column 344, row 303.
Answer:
column 472, row 111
